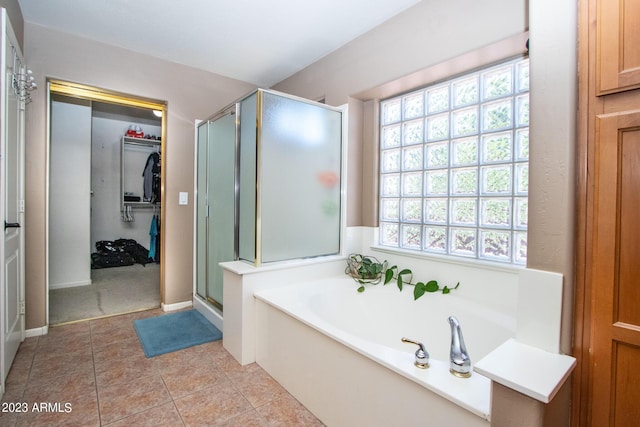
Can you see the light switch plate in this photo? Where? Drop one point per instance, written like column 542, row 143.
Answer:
column 183, row 198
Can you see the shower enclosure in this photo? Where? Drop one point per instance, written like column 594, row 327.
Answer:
column 269, row 180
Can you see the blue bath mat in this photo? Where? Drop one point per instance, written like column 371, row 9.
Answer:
column 176, row 331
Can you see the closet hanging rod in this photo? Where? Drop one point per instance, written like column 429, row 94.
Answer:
column 142, row 205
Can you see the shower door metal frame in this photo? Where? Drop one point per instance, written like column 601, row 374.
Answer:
column 208, row 269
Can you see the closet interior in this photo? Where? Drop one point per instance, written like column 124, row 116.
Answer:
column 104, row 209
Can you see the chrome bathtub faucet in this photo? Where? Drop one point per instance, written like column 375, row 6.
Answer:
column 422, row 356
column 459, row 361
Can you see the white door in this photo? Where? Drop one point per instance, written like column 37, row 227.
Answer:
column 12, row 200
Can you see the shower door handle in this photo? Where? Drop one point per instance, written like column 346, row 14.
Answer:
column 11, row 225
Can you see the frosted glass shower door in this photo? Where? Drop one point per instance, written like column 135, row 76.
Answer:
column 290, row 178
column 299, row 152
column 216, row 204
column 221, row 197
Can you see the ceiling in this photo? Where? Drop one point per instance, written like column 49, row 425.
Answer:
column 257, row 41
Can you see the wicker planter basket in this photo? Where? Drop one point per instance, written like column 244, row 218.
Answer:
column 365, row 269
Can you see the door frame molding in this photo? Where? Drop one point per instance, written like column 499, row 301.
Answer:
column 584, row 216
column 93, row 93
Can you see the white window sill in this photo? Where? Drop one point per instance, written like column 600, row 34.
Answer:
column 468, row 262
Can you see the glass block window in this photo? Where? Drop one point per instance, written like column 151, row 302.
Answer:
column 454, row 171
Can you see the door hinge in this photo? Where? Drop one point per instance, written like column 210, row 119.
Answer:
column 22, row 310
column 21, row 206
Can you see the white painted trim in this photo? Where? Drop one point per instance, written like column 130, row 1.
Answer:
column 176, row 306
column 70, row 284
column 210, row 313
column 36, row 332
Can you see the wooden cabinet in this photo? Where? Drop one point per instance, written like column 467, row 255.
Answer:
column 615, row 340
column 606, row 388
column 618, row 45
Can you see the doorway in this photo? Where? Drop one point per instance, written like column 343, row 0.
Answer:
column 104, row 203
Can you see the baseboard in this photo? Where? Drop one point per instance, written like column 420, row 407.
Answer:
column 69, row 284
column 36, row 332
column 210, row 313
column 176, row 306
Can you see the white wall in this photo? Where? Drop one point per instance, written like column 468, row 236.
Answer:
column 69, row 236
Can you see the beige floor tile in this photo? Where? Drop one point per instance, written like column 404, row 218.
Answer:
column 27, row 348
column 59, row 365
column 118, row 350
column 13, row 395
column 189, row 358
column 187, row 381
column 63, row 344
column 105, row 338
column 8, row 419
column 258, row 387
column 234, row 370
column 287, row 411
column 60, row 389
column 212, row 405
column 56, row 332
column 18, row 374
column 246, row 419
column 162, row 416
column 147, row 313
column 111, row 324
column 118, row 370
column 98, row 367
column 125, row 399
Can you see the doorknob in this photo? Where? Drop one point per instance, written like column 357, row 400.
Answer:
column 11, row 225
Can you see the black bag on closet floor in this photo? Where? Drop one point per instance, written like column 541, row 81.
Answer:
column 111, row 259
column 135, row 249
column 119, row 253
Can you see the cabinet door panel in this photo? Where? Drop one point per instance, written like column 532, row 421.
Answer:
column 618, row 38
column 616, row 320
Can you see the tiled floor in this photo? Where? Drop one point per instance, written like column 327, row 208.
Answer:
column 95, row 373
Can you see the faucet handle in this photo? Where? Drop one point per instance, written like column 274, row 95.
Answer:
column 422, row 356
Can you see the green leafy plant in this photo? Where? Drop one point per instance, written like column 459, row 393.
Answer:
column 419, row 288
column 366, row 269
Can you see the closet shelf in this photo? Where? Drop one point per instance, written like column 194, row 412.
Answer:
column 142, row 204
column 136, row 153
column 141, row 141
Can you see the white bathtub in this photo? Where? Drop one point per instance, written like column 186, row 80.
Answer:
column 339, row 352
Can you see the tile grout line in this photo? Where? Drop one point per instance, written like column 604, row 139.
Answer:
column 173, row 400
column 95, row 376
